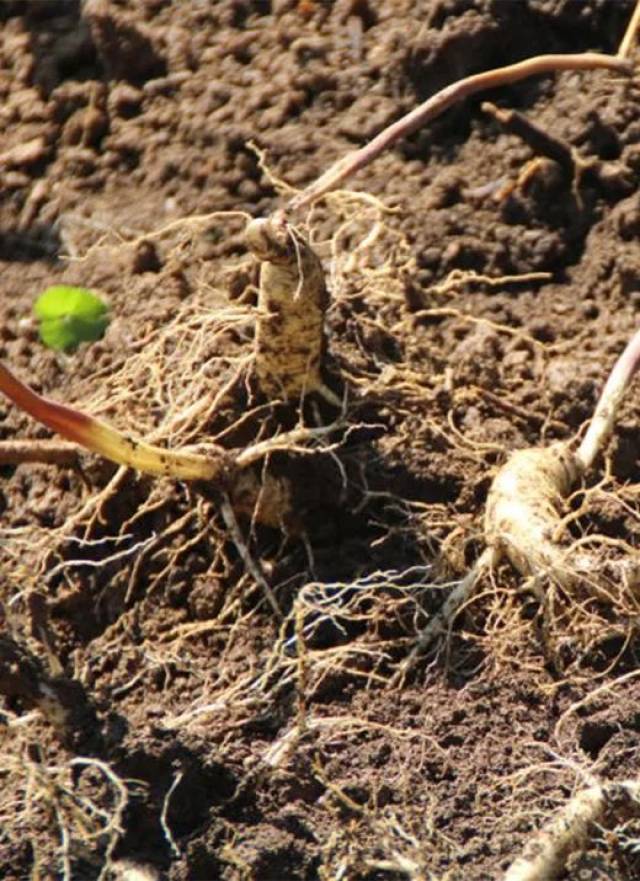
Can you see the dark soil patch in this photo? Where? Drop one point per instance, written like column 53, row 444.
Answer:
column 247, row 750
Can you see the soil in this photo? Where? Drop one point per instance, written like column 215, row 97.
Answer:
column 478, row 302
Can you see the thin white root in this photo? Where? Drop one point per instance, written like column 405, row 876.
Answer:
column 446, row 614
column 164, row 822
column 546, row 856
column 523, row 510
column 284, row 441
column 252, row 566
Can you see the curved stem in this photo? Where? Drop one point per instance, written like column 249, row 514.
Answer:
column 441, row 101
column 601, row 426
column 630, row 33
column 101, row 438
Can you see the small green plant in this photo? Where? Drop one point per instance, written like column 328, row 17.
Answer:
column 69, row 316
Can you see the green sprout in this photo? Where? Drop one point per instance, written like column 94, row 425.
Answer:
column 69, row 316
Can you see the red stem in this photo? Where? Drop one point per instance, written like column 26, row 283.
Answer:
column 69, row 423
column 441, row 101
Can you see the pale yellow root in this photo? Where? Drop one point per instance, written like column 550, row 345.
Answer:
column 545, row 857
column 522, row 518
column 290, row 338
column 523, row 510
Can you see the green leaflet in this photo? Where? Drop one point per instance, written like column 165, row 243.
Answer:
column 69, row 316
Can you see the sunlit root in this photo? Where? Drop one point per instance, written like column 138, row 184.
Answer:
column 524, row 507
column 545, row 857
column 290, row 337
column 523, row 515
column 523, row 519
column 523, row 522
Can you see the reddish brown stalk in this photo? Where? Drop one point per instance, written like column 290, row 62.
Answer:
column 64, row 420
column 97, row 436
column 441, row 101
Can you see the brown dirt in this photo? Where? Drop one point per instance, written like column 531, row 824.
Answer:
column 246, row 750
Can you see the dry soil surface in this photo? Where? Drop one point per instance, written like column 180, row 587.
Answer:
column 480, row 293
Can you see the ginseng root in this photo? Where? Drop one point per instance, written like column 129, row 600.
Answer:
column 527, row 495
column 545, row 857
column 290, row 337
column 523, row 511
column 523, row 519
column 289, row 350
